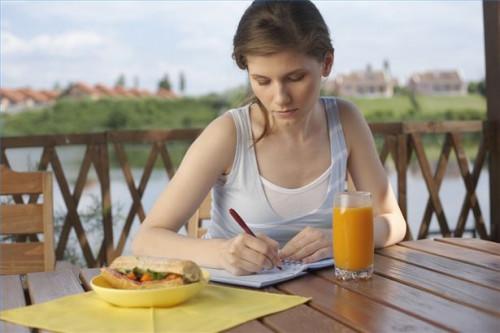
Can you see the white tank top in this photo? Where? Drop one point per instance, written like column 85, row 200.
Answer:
column 243, row 190
column 293, row 202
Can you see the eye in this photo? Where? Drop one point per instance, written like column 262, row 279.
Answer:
column 296, row 77
column 262, row 82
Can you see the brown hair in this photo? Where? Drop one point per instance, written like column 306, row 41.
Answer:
column 269, row 27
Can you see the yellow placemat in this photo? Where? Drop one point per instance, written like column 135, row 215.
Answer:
column 216, row 308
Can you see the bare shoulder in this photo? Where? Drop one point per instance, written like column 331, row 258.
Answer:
column 348, row 112
column 217, row 142
column 221, row 130
column 353, row 122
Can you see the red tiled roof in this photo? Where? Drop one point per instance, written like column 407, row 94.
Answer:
column 51, row 94
column 135, row 92
column 12, row 95
column 120, row 91
column 433, row 76
column 34, row 95
column 83, row 87
column 372, row 77
column 103, row 90
column 165, row 93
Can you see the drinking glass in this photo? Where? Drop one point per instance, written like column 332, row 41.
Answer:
column 353, row 235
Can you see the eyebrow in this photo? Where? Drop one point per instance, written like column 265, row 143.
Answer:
column 296, row 71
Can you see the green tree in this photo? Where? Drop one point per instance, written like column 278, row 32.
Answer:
column 478, row 87
column 56, row 86
column 120, row 81
column 414, row 101
column 481, row 88
column 182, row 82
column 472, row 87
column 165, row 83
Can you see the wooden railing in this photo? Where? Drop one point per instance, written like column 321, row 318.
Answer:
column 400, row 141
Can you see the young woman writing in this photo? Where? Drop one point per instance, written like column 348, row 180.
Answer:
column 278, row 161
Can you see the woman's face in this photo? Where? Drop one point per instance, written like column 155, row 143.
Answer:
column 287, row 83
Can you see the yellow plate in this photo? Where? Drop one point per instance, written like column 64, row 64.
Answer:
column 157, row 297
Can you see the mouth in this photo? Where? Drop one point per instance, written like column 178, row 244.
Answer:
column 285, row 111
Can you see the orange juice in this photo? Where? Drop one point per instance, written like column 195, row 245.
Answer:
column 353, row 237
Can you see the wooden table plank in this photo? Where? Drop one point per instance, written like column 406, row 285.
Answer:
column 66, row 265
column 47, row 286
column 479, row 275
column 250, row 327
column 303, row 318
column 86, row 275
column 421, row 304
column 444, row 286
column 352, row 309
column 473, row 243
column 12, row 297
column 455, row 252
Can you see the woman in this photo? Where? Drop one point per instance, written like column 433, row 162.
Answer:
column 278, row 161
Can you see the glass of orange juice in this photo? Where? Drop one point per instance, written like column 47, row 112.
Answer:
column 353, row 235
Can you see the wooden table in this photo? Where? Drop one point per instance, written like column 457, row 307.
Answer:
column 425, row 285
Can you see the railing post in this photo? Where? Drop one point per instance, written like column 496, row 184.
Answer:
column 491, row 18
column 402, row 169
column 106, row 254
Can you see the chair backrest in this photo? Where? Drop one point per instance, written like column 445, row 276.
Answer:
column 17, row 220
column 194, row 228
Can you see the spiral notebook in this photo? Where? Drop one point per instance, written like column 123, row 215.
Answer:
column 290, row 270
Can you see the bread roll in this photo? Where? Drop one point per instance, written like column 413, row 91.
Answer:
column 172, row 272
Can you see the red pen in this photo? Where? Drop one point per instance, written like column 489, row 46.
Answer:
column 243, row 225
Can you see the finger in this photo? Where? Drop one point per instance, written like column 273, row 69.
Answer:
column 238, row 271
column 274, row 244
column 274, row 248
column 263, row 248
column 240, row 250
column 296, row 243
column 258, row 260
column 249, row 265
column 309, row 249
column 318, row 255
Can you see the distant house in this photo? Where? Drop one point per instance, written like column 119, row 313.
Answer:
column 81, row 90
column 165, row 93
column 104, row 91
column 12, row 100
column 140, row 93
column 122, row 92
column 38, row 98
column 366, row 83
column 15, row 100
column 437, row 83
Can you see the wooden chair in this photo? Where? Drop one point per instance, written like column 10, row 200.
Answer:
column 19, row 219
column 194, row 228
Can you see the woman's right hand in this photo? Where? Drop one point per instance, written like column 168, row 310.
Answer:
column 245, row 254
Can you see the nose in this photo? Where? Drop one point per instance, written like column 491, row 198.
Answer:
column 282, row 96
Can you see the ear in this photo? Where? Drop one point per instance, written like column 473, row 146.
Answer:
column 327, row 64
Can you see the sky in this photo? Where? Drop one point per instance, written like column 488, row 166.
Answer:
column 45, row 42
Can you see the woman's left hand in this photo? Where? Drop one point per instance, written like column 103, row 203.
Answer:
column 308, row 246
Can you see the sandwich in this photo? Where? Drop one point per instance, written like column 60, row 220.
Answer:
column 131, row 272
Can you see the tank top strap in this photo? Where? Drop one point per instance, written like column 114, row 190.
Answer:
column 242, row 154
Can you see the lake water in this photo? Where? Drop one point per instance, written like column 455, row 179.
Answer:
column 452, row 192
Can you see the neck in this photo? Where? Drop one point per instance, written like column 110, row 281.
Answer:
column 300, row 129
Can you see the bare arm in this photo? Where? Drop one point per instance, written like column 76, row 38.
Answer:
column 368, row 174
column 210, row 156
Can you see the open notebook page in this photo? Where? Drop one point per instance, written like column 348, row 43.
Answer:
column 267, row 277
